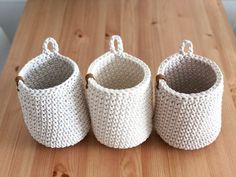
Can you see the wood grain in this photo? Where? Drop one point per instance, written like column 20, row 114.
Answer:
column 151, row 30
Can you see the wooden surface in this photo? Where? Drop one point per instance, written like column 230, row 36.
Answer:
column 151, row 30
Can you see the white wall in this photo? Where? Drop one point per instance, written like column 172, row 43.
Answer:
column 13, row 0
column 10, row 13
column 230, row 7
column 4, row 47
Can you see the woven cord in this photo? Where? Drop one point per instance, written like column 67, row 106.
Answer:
column 119, row 50
column 17, row 79
column 158, row 78
column 186, row 44
column 55, row 48
column 87, row 77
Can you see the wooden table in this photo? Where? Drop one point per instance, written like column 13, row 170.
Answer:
column 151, row 30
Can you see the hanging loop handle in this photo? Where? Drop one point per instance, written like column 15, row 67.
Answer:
column 119, row 50
column 158, row 78
column 186, row 48
column 53, row 42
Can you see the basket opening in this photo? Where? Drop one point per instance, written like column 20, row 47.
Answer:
column 189, row 75
column 48, row 73
column 120, row 74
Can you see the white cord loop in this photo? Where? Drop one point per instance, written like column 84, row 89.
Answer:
column 119, row 50
column 55, row 48
column 188, row 46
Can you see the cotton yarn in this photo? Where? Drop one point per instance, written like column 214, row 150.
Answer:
column 52, row 99
column 189, row 100
column 120, row 98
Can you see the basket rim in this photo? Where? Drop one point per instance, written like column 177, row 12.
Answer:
column 125, row 56
column 73, row 65
column 219, row 76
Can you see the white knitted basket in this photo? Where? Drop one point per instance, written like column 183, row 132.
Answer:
column 120, row 98
column 52, row 99
column 188, row 100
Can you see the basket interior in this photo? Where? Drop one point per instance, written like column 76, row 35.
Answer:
column 189, row 75
column 119, row 74
column 48, row 73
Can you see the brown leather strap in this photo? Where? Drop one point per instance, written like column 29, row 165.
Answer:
column 158, row 77
column 89, row 75
column 17, row 79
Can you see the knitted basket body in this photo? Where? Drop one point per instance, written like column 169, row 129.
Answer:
column 120, row 98
column 53, row 100
column 188, row 106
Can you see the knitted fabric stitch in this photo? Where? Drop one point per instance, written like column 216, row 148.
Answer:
column 52, row 99
column 188, row 103
column 120, row 98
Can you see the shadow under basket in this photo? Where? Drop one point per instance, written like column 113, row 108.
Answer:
column 119, row 95
column 188, row 100
column 52, row 99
